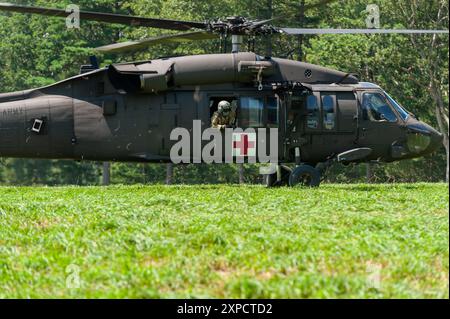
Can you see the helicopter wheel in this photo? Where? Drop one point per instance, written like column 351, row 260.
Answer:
column 271, row 180
column 305, row 176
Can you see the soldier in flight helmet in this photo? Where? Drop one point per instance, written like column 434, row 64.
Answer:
column 224, row 117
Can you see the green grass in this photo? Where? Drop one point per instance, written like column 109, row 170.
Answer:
column 225, row 241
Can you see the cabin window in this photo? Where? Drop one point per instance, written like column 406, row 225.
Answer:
column 272, row 112
column 251, row 112
column 312, row 118
column 376, row 108
column 329, row 116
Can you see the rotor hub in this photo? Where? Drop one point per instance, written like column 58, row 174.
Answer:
column 237, row 25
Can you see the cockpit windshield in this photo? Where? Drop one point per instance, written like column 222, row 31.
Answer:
column 403, row 113
column 377, row 109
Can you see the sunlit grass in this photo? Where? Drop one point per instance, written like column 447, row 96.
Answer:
column 225, row 241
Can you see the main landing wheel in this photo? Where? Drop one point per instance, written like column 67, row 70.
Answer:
column 271, row 180
column 305, row 176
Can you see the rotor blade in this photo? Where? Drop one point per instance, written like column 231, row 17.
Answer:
column 141, row 44
column 295, row 31
column 262, row 22
column 107, row 17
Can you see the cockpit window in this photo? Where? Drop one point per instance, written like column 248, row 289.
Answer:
column 403, row 113
column 377, row 108
column 328, row 112
column 312, row 106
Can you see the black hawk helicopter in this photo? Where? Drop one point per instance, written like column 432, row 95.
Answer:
column 127, row 112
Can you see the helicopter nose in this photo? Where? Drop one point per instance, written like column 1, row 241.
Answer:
column 423, row 139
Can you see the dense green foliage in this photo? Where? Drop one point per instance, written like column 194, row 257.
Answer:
column 224, row 241
column 37, row 51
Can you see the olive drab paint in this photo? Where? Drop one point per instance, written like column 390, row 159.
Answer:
column 127, row 112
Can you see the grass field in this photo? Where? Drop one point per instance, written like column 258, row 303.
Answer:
column 338, row 241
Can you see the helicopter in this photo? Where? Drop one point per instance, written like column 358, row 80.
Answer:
column 127, row 112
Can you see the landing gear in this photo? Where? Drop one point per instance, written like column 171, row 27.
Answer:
column 272, row 179
column 306, row 176
column 323, row 168
column 311, row 174
column 302, row 175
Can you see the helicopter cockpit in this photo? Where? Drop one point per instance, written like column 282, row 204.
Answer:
column 385, row 120
column 376, row 108
column 380, row 106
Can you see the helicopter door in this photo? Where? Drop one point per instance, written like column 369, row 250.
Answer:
column 306, row 123
column 170, row 119
column 322, row 128
column 378, row 120
column 292, row 130
column 325, row 118
column 347, row 108
column 339, row 121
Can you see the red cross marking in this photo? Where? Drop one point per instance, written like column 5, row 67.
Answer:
column 243, row 145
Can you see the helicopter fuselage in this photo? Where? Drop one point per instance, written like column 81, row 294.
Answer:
column 126, row 112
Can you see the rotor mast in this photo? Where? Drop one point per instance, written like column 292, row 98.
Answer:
column 239, row 27
column 236, row 43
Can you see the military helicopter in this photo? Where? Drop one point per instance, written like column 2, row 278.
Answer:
column 126, row 112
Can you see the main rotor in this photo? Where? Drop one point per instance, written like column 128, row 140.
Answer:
column 237, row 27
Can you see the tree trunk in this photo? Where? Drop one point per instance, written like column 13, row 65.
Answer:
column 241, row 174
column 442, row 119
column 301, row 16
column 106, row 177
column 169, row 174
column 369, row 173
column 447, row 154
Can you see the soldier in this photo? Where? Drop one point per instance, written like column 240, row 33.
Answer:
column 224, row 117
